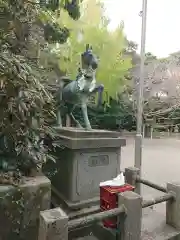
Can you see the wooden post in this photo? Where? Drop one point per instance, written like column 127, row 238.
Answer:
column 173, row 207
column 152, row 132
column 68, row 121
column 129, row 226
column 144, row 128
column 53, row 225
column 131, row 174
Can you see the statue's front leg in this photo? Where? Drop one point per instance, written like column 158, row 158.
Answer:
column 59, row 119
column 70, row 113
column 85, row 115
column 76, row 121
column 99, row 88
column 59, row 105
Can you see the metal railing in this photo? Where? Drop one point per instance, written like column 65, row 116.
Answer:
column 94, row 218
column 98, row 217
column 151, row 184
column 132, row 177
column 166, row 197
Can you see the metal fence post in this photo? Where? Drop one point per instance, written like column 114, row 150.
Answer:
column 129, row 224
column 53, row 225
column 131, row 174
column 173, row 207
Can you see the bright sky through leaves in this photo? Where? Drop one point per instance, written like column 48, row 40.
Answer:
column 163, row 35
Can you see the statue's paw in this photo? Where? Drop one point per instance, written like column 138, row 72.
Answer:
column 59, row 125
column 89, row 128
column 79, row 126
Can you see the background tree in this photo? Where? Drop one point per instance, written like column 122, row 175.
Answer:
column 149, row 57
column 161, row 86
column 92, row 28
column 26, row 29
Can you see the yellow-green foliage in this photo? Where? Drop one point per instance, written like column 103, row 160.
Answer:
column 92, row 28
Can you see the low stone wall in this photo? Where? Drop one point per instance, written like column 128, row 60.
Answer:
column 20, row 208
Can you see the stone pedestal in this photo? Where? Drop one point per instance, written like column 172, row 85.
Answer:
column 84, row 159
column 20, row 208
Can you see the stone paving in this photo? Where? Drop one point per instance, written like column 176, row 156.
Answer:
column 160, row 164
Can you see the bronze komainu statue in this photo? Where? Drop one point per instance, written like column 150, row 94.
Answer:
column 77, row 92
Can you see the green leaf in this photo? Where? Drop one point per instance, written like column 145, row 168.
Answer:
column 108, row 45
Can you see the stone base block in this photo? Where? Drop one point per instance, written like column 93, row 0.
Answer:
column 20, row 208
column 83, row 160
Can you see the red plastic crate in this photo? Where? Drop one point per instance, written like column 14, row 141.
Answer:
column 109, row 200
